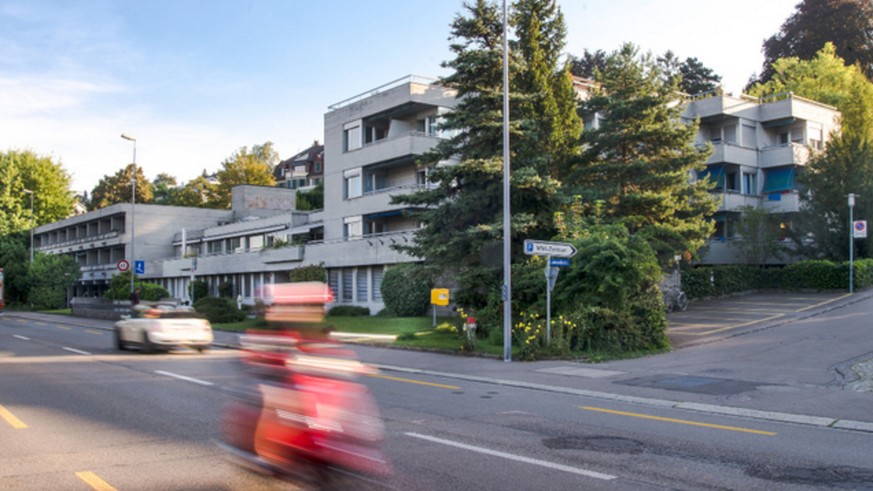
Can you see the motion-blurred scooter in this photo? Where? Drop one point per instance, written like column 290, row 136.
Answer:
column 303, row 416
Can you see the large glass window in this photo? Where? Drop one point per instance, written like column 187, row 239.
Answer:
column 347, row 284
column 353, row 227
column 750, row 183
column 376, row 280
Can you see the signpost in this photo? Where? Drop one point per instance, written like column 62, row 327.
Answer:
column 122, row 265
column 562, row 252
column 139, row 267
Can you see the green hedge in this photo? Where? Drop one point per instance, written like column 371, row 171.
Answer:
column 348, row 311
column 219, row 310
column 714, row 281
column 406, row 290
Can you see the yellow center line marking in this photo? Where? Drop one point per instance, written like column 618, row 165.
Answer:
column 679, row 421
column 419, row 382
column 63, row 327
column 734, row 326
column 11, row 419
column 94, row 481
column 91, row 331
column 825, row 302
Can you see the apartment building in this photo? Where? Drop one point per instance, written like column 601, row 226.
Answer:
column 372, row 141
column 759, row 146
column 303, row 171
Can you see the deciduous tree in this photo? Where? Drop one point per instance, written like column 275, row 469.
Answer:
column 49, row 181
column 253, row 167
column 117, row 188
column 848, row 24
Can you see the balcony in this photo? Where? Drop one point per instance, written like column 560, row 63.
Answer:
column 733, row 201
column 793, row 153
column 733, row 154
column 781, row 202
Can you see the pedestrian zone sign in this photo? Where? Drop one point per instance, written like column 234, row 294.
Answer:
column 859, row 229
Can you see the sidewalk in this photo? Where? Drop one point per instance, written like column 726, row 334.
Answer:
column 785, row 371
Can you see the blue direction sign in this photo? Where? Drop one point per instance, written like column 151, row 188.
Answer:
column 559, row 262
column 546, row 248
column 139, row 267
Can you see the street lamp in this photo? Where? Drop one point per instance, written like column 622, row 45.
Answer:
column 28, row 191
column 132, row 203
column 851, row 240
column 507, row 227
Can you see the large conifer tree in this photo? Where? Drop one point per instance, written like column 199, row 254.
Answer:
column 639, row 158
column 463, row 213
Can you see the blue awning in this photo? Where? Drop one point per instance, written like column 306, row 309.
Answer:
column 714, row 173
column 779, row 179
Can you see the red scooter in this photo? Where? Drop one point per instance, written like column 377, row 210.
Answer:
column 303, row 416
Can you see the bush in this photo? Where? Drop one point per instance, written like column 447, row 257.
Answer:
column 152, row 292
column 406, row 290
column 348, row 311
column 225, row 290
column 308, row 273
column 219, row 310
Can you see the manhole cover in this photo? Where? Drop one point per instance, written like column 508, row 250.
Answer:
column 691, row 383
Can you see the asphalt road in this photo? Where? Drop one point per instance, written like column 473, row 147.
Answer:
column 763, row 407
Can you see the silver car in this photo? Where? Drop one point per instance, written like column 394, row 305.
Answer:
column 163, row 328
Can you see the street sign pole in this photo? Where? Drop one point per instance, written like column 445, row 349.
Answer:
column 548, row 301
column 851, row 240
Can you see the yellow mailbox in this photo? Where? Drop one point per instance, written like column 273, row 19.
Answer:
column 439, row 296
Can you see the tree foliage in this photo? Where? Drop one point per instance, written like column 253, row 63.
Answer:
column 253, row 167
column 164, row 189
column 760, row 233
column 637, row 161
column 821, row 229
column 848, row 24
column 48, row 278
column 118, row 188
column 826, row 78
column 197, row 192
column 463, row 212
column 49, row 181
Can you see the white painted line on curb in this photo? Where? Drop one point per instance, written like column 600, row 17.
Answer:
column 19, row 336
column 853, row 425
column 78, row 351
column 517, row 458
column 182, row 377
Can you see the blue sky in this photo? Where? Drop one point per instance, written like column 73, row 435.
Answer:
column 194, row 80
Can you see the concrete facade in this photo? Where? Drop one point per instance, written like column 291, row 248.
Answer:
column 759, row 145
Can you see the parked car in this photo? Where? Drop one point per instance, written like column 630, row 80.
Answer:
column 162, row 328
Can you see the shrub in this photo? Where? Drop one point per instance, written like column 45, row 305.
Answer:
column 219, row 310
column 406, row 290
column 315, row 272
column 225, row 290
column 152, row 292
column 348, row 311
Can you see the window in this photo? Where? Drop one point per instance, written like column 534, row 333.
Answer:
column 750, row 183
column 352, row 227
column 730, row 181
column 347, row 285
column 815, row 137
column 353, row 183
column 783, row 138
column 797, row 134
column 352, row 136
column 361, row 285
column 333, row 282
column 376, row 280
column 714, row 173
column 730, row 133
column 748, row 135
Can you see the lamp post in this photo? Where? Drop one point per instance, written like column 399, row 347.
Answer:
column 507, row 231
column 28, row 191
column 132, row 212
column 851, row 240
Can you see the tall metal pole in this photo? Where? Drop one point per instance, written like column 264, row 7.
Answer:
column 28, row 191
column 507, row 231
column 132, row 212
column 851, row 241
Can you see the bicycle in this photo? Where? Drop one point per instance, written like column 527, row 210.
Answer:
column 674, row 300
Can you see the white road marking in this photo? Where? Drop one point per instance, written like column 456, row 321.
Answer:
column 74, row 350
column 182, row 377
column 517, row 458
column 19, row 336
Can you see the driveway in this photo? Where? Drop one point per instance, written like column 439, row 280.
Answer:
column 709, row 320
